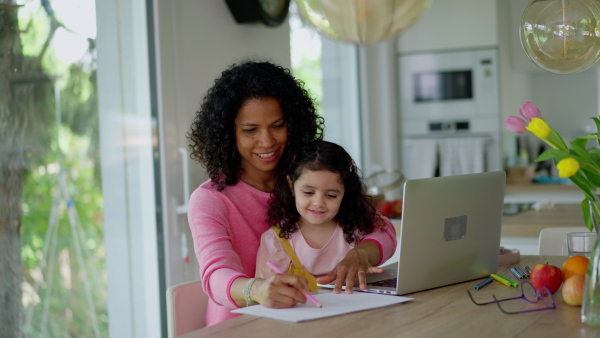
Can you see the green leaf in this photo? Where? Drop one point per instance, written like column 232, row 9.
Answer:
column 593, row 178
column 582, row 184
column 585, row 209
column 555, row 136
column 579, row 142
column 552, row 153
column 578, row 147
column 597, row 122
column 594, row 154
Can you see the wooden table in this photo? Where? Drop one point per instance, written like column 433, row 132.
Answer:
column 440, row 312
column 529, row 223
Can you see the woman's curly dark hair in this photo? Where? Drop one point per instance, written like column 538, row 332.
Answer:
column 357, row 215
column 212, row 133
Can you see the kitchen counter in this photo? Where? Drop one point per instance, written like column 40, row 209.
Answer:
column 522, row 230
column 529, row 223
column 537, row 192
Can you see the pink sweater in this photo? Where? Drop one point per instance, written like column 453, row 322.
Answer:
column 226, row 227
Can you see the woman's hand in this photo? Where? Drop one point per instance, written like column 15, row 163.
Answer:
column 357, row 263
column 279, row 291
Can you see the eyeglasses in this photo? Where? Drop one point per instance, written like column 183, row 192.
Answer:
column 528, row 293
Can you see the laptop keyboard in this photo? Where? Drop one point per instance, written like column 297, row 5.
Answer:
column 390, row 282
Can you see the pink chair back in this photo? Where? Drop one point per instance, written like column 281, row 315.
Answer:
column 186, row 308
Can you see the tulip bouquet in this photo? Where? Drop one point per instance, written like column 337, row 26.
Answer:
column 580, row 165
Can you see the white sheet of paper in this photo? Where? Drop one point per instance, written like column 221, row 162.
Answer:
column 333, row 305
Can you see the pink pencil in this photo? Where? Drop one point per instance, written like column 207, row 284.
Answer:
column 306, row 294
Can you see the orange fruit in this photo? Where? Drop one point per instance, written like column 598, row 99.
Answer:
column 574, row 265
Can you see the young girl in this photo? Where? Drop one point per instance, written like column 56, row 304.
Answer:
column 319, row 212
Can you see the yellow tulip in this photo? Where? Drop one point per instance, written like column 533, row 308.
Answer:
column 539, row 127
column 567, row 167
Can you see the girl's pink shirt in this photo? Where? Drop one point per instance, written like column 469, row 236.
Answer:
column 317, row 262
column 226, row 228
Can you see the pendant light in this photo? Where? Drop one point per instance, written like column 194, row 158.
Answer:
column 361, row 21
column 561, row 36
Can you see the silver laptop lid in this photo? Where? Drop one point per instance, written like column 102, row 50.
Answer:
column 450, row 230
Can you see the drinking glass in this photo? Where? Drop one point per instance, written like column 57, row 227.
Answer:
column 581, row 243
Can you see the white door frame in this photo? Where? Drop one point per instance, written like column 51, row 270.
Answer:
column 127, row 169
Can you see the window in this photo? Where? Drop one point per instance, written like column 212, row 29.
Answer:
column 49, row 142
column 330, row 71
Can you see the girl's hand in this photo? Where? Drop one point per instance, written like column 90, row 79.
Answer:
column 279, row 291
column 355, row 264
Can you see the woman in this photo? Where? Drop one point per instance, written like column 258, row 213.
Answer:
column 250, row 122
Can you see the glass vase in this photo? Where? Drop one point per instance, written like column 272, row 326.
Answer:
column 590, row 305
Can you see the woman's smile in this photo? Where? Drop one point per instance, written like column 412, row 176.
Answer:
column 268, row 157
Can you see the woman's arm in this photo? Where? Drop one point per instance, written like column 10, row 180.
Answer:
column 222, row 271
column 385, row 239
column 220, row 263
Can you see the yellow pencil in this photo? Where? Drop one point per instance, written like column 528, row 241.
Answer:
column 504, row 280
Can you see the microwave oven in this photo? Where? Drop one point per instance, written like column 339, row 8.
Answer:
column 441, row 86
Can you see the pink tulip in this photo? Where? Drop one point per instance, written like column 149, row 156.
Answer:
column 516, row 125
column 529, row 111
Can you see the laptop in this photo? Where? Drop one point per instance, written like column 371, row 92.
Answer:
column 450, row 233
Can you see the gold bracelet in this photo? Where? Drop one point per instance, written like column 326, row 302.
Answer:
column 247, row 288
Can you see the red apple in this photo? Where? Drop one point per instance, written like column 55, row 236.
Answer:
column 396, row 209
column 385, row 208
column 572, row 290
column 546, row 275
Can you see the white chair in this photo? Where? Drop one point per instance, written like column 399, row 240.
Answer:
column 186, row 308
column 553, row 241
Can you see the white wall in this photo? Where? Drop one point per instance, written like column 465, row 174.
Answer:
column 515, row 80
column 567, row 101
column 452, row 24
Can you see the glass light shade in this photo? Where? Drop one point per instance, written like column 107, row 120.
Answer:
column 361, row 21
column 561, row 36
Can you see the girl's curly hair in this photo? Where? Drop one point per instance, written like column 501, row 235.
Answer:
column 212, row 133
column 357, row 216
